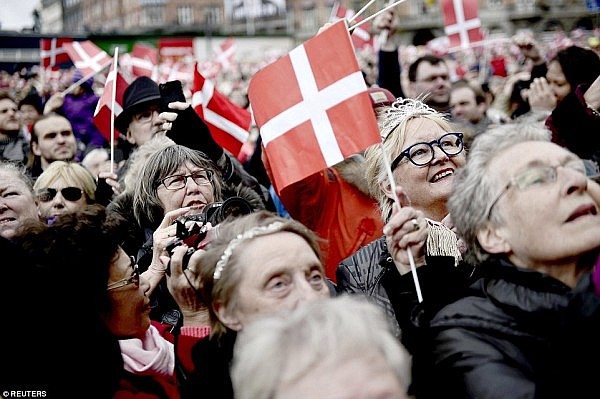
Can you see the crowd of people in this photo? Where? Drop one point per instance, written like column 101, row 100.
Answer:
column 181, row 271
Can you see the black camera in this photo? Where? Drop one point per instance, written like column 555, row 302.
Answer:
column 191, row 230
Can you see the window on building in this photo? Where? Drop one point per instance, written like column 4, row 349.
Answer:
column 185, row 15
column 152, row 15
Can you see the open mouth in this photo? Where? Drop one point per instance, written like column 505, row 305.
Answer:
column 7, row 220
column 441, row 175
column 583, row 210
column 195, row 204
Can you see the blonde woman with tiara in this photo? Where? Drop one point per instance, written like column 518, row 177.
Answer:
column 424, row 151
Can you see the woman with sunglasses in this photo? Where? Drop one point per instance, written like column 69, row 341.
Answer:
column 62, row 188
column 424, row 152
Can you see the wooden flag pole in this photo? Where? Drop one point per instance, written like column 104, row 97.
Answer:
column 112, row 110
column 80, row 81
column 411, row 259
column 375, row 15
column 361, row 11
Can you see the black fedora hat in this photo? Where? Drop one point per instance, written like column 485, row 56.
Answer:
column 143, row 90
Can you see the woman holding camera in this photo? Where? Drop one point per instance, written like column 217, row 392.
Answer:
column 255, row 265
column 177, row 181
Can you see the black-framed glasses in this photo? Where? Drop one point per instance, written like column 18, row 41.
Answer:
column 422, row 154
column 133, row 279
column 536, row 176
column 69, row 193
column 177, row 182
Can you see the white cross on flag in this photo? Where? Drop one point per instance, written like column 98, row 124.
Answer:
column 225, row 52
column 52, row 52
column 102, row 114
column 87, row 57
column 228, row 123
column 144, row 61
column 361, row 36
column 312, row 107
column 461, row 22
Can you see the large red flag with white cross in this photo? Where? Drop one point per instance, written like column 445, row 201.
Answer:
column 312, row 107
column 87, row 57
column 461, row 22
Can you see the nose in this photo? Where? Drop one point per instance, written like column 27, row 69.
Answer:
column 304, row 292
column 439, row 156
column 156, row 121
column 144, row 285
column 58, row 202
column 575, row 181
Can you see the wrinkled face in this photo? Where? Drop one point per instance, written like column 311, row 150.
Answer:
column 58, row 205
column 558, row 82
column 17, row 204
column 549, row 221
column 144, row 125
column 366, row 376
column 433, row 79
column 56, row 141
column 8, row 115
column 280, row 272
column 464, row 107
column 28, row 114
column 428, row 187
column 195, row 192
column 129, row 314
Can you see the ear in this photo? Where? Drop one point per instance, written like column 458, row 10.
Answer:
column 386, row 187
column 493, row 240
column 35, row 149
column 227, row 316
column 130, row 137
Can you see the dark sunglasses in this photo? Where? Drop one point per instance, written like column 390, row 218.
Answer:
column 69, row 193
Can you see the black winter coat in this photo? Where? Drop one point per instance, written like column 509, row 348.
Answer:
column 508, row 338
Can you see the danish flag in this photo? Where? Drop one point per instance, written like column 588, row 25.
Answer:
column 228, row 123
column 52, row 52
column 87, row 57
column 225, row 52
column 361, row 36
column 312, row 107
column 103, row 113
column 144, row 61
column 461, row 22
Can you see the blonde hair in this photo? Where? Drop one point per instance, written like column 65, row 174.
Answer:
column 393, row 123
column 72, row 174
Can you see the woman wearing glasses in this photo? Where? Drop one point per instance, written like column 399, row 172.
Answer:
column 424, row 152
column 63, row 187
column 177, row 181
column 532, row 218
column 132, row 357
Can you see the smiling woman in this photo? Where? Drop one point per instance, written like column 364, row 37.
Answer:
column 424, row 151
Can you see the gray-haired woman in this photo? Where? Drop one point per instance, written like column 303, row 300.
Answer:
column 177, row 181
column 256, row 265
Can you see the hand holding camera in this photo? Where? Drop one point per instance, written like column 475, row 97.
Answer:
column 193, row 230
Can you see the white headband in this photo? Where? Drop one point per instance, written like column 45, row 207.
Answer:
column 253, row 232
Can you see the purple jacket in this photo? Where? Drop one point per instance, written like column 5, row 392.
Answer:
column 79, row 110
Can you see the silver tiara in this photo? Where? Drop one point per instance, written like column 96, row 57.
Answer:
column 400, row 111
column 253, row 232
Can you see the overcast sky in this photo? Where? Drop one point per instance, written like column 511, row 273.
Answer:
column 16, row 14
